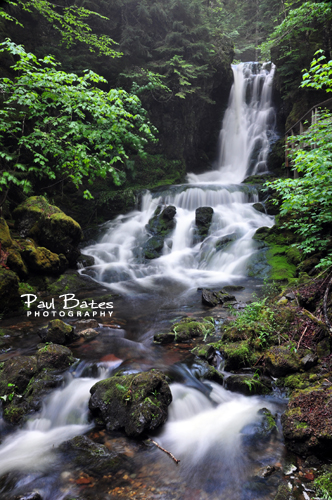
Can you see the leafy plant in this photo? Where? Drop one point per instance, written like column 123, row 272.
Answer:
column 10, row 396
column 55, row 125
column 306, row 202
column 251, row 383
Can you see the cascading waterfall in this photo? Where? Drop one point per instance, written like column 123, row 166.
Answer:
column 247, row 131
column 210, row 429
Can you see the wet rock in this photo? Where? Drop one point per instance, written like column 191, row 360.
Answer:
column 280, row 361
column 49, row 226
column 203, row 220
column 307, row 422
column 249, row 384
column 84, row 324
column 267, row 471
column 259, row 207
column 213, row 374
column 212, row 298
column 225, row 241
column 94, row 458
column 57, row 332
column 41, row 260
column 309, row 361
column 71, row 282
column 10, row 298
column 88, row 334
column 254, row 434
column 136, row 403
column 204, row 351
column 233, row 288
column 164, row 338
column 153, row 247
column 54, row 357
column 85, row 260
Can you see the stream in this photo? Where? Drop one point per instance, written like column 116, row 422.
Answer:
column 214, row 432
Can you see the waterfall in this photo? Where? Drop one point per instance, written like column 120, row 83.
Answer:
column 245, row 138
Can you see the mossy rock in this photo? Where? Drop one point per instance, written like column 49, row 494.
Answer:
column 43, row 261
column 186, row 330
column 17, row 264
column 237, row 354
column 249, row 384
column 164, row 338
column 57, row 332
column 204, row 351
column 5, row 238
column 281, row 361
column 135, row 403
column 49, row 226
column 10, row 299
column 70, row 282
column 54, row 357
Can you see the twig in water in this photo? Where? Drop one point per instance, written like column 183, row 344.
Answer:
column 165, row 451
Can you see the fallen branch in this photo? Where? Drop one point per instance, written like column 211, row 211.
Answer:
column 298, row 345
column 315, row 320
column 165, row 451
column 327, row 321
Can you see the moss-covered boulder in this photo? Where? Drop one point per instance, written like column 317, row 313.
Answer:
column 5, row 238
column 237, row 355
column 10, row 298
column 54, row 357
column 164, row 338
column 280, row 361
column 263, row 430
column 49, row 226
column 57, row 332
column 249, row 384
column 43, row 261
column 136, row 403
column 188, row 329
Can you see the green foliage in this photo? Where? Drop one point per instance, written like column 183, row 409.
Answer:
column 252, row 382
column 258, row 317
column 323, row 486
column 319, row 75
column 307, row 200
column 55, row 125
column 70, row 22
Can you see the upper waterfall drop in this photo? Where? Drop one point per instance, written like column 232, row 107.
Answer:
column 123, row 258
column 248, row 127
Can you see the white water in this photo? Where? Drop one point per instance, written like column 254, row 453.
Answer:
column 64, row 416
column 244, row 145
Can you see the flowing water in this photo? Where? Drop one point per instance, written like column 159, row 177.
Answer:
column 215, row 433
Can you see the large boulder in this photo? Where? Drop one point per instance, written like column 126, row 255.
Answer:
column 49, row 226
column 212, row 298
column 137, row 403
column 307, row 422
column 43, row 261
column 5, row 238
